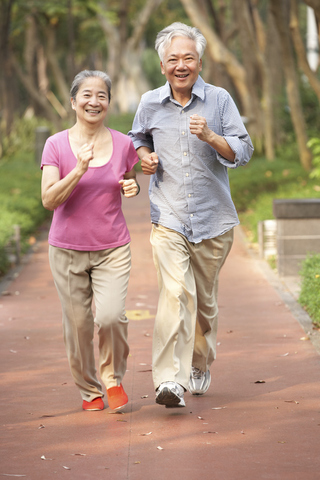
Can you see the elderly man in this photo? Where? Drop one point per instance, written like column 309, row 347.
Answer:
column 187, row 134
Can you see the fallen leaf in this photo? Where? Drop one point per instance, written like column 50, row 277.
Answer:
column 281, row 442
column 229, row 331
column 136, row 462
column 144, row 396
column 122, row 421
column 200, row 418
column 260, row 381
column 209, row 432
column 145, row 434
column 218, row 408
column 143, row 364
column 242, row 432
column 79, row 454
column 291, row 401
column 12, row 475
column 160, row 448
column 13, row 351
column 305, row 338
column 285, row 354
column 41, row 426
column 45, row 458
column 66, row 468
column 47, row 416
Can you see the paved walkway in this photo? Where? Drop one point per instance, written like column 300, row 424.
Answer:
column 259, row 420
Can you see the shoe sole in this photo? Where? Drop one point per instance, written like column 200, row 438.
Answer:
column 168, row 398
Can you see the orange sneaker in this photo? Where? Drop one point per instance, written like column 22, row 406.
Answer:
column 96, row 404
column 117, row 397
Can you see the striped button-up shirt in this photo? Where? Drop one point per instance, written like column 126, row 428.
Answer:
column 190, row 191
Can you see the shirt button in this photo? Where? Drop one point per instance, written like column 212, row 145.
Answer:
column 189, row 195
column 182, row 111
column 185, row 154
column 187, row 174
column 191, row 215
column 183, row 133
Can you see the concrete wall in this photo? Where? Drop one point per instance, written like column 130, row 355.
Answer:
column 298, row 232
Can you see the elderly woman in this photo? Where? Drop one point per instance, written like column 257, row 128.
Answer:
column 85, row 169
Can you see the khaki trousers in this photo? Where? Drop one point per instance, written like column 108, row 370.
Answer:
column 186, row 323
column 81, row 277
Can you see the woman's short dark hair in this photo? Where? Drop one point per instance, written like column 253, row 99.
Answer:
column 82, row 76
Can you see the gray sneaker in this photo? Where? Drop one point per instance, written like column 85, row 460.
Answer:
column 170, row 394
column 199, row 381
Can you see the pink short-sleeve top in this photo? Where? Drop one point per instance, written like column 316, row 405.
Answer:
column 91, row 218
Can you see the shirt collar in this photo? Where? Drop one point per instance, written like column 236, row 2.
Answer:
column 197, row 89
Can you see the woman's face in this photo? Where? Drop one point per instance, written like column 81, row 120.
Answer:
column 92, row 100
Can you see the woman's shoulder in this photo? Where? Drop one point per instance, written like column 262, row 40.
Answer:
column 120, row 136
column 59, row 137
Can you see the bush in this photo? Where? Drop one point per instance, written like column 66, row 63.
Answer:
column 310, row 290
column 20, row 200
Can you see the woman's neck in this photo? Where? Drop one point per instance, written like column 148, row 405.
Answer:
column 87, row 133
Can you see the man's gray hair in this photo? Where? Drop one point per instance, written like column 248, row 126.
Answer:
column 82, row 76
column 178, row 29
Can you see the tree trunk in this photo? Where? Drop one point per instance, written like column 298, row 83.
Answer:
column 6, row 74
column 39, row 99
column 300, row 50
column 277, row 9
column 315, row 4
column 222, row 55
column 57, row 73
column 125, row 52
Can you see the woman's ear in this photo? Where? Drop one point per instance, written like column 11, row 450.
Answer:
column 73, row 104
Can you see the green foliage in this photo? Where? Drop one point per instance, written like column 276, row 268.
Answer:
column 20, row 201
column 314, row 145
column 151, row 68
column 310, row 290
column 22, row 136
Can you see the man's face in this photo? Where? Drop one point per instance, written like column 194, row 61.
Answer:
column 181, row 66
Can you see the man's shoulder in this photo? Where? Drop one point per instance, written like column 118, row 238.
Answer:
column 153, row 96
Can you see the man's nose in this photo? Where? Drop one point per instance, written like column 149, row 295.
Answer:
column 181, row 63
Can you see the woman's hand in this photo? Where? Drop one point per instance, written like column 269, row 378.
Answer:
column 84, row 156
column 130, row 188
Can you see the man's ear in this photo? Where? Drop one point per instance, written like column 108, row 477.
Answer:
column 200, row 65
column 162, row 69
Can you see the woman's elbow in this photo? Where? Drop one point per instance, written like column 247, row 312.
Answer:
column 47, row 204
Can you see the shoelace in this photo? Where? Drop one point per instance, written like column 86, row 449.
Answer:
column 196, row 373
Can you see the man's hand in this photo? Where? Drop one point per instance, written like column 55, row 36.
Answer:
column 149, row 163
column 199, row 127
column 130, row 187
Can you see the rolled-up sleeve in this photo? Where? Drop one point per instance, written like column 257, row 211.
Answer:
column 234, row 132
column 139, row 133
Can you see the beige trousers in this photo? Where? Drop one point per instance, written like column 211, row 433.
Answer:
column 81, row 277
column 186, row 323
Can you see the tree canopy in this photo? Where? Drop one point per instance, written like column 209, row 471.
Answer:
column 257, row 50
